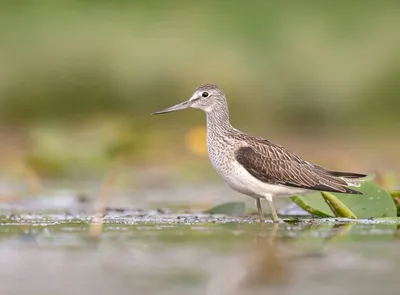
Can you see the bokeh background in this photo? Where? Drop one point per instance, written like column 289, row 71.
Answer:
column 79, row 79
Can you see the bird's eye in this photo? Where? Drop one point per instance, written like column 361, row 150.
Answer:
column 205, row 94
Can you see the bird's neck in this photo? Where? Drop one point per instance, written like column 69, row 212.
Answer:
column 218, row 120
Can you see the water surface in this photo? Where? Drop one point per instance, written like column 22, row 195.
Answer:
column 149, row 251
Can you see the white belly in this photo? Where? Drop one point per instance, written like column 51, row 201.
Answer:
column 242, row 181
column 237, row 177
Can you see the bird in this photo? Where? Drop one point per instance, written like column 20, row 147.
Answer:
column 255, row 166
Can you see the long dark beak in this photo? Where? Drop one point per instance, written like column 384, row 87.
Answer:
column 177, row 107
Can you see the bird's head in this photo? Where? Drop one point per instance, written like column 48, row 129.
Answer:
column 207, row 98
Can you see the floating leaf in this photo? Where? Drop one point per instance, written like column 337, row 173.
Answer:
column 232, row 208
column 396, row 198
column 375, row 202
column 338, row 208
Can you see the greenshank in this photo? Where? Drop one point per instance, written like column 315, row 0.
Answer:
column 255, row 166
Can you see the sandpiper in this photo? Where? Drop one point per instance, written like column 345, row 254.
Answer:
column 255, row 166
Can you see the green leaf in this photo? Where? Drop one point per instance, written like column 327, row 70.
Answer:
column 338, row 208
column 375, row 202
column 396, row 198
column 232, row 208
column 303, row 203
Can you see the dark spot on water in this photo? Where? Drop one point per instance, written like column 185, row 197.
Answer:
column 82, row 198
column 163, row 211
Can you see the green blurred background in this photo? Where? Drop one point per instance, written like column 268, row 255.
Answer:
column 79, row 79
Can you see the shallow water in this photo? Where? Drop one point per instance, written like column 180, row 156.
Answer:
column 145, row 251
column 54, row 254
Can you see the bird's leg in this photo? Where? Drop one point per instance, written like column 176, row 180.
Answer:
column 275, row 217
column 260, row 212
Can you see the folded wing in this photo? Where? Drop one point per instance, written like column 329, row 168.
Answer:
column 274, row 164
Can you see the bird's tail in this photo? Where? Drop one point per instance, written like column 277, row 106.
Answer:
column 353, row 182
column 352, row 179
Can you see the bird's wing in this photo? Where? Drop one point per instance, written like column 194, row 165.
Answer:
column 274, row 164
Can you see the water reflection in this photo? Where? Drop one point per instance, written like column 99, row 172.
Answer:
column 199, row 258
column 279, row 263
